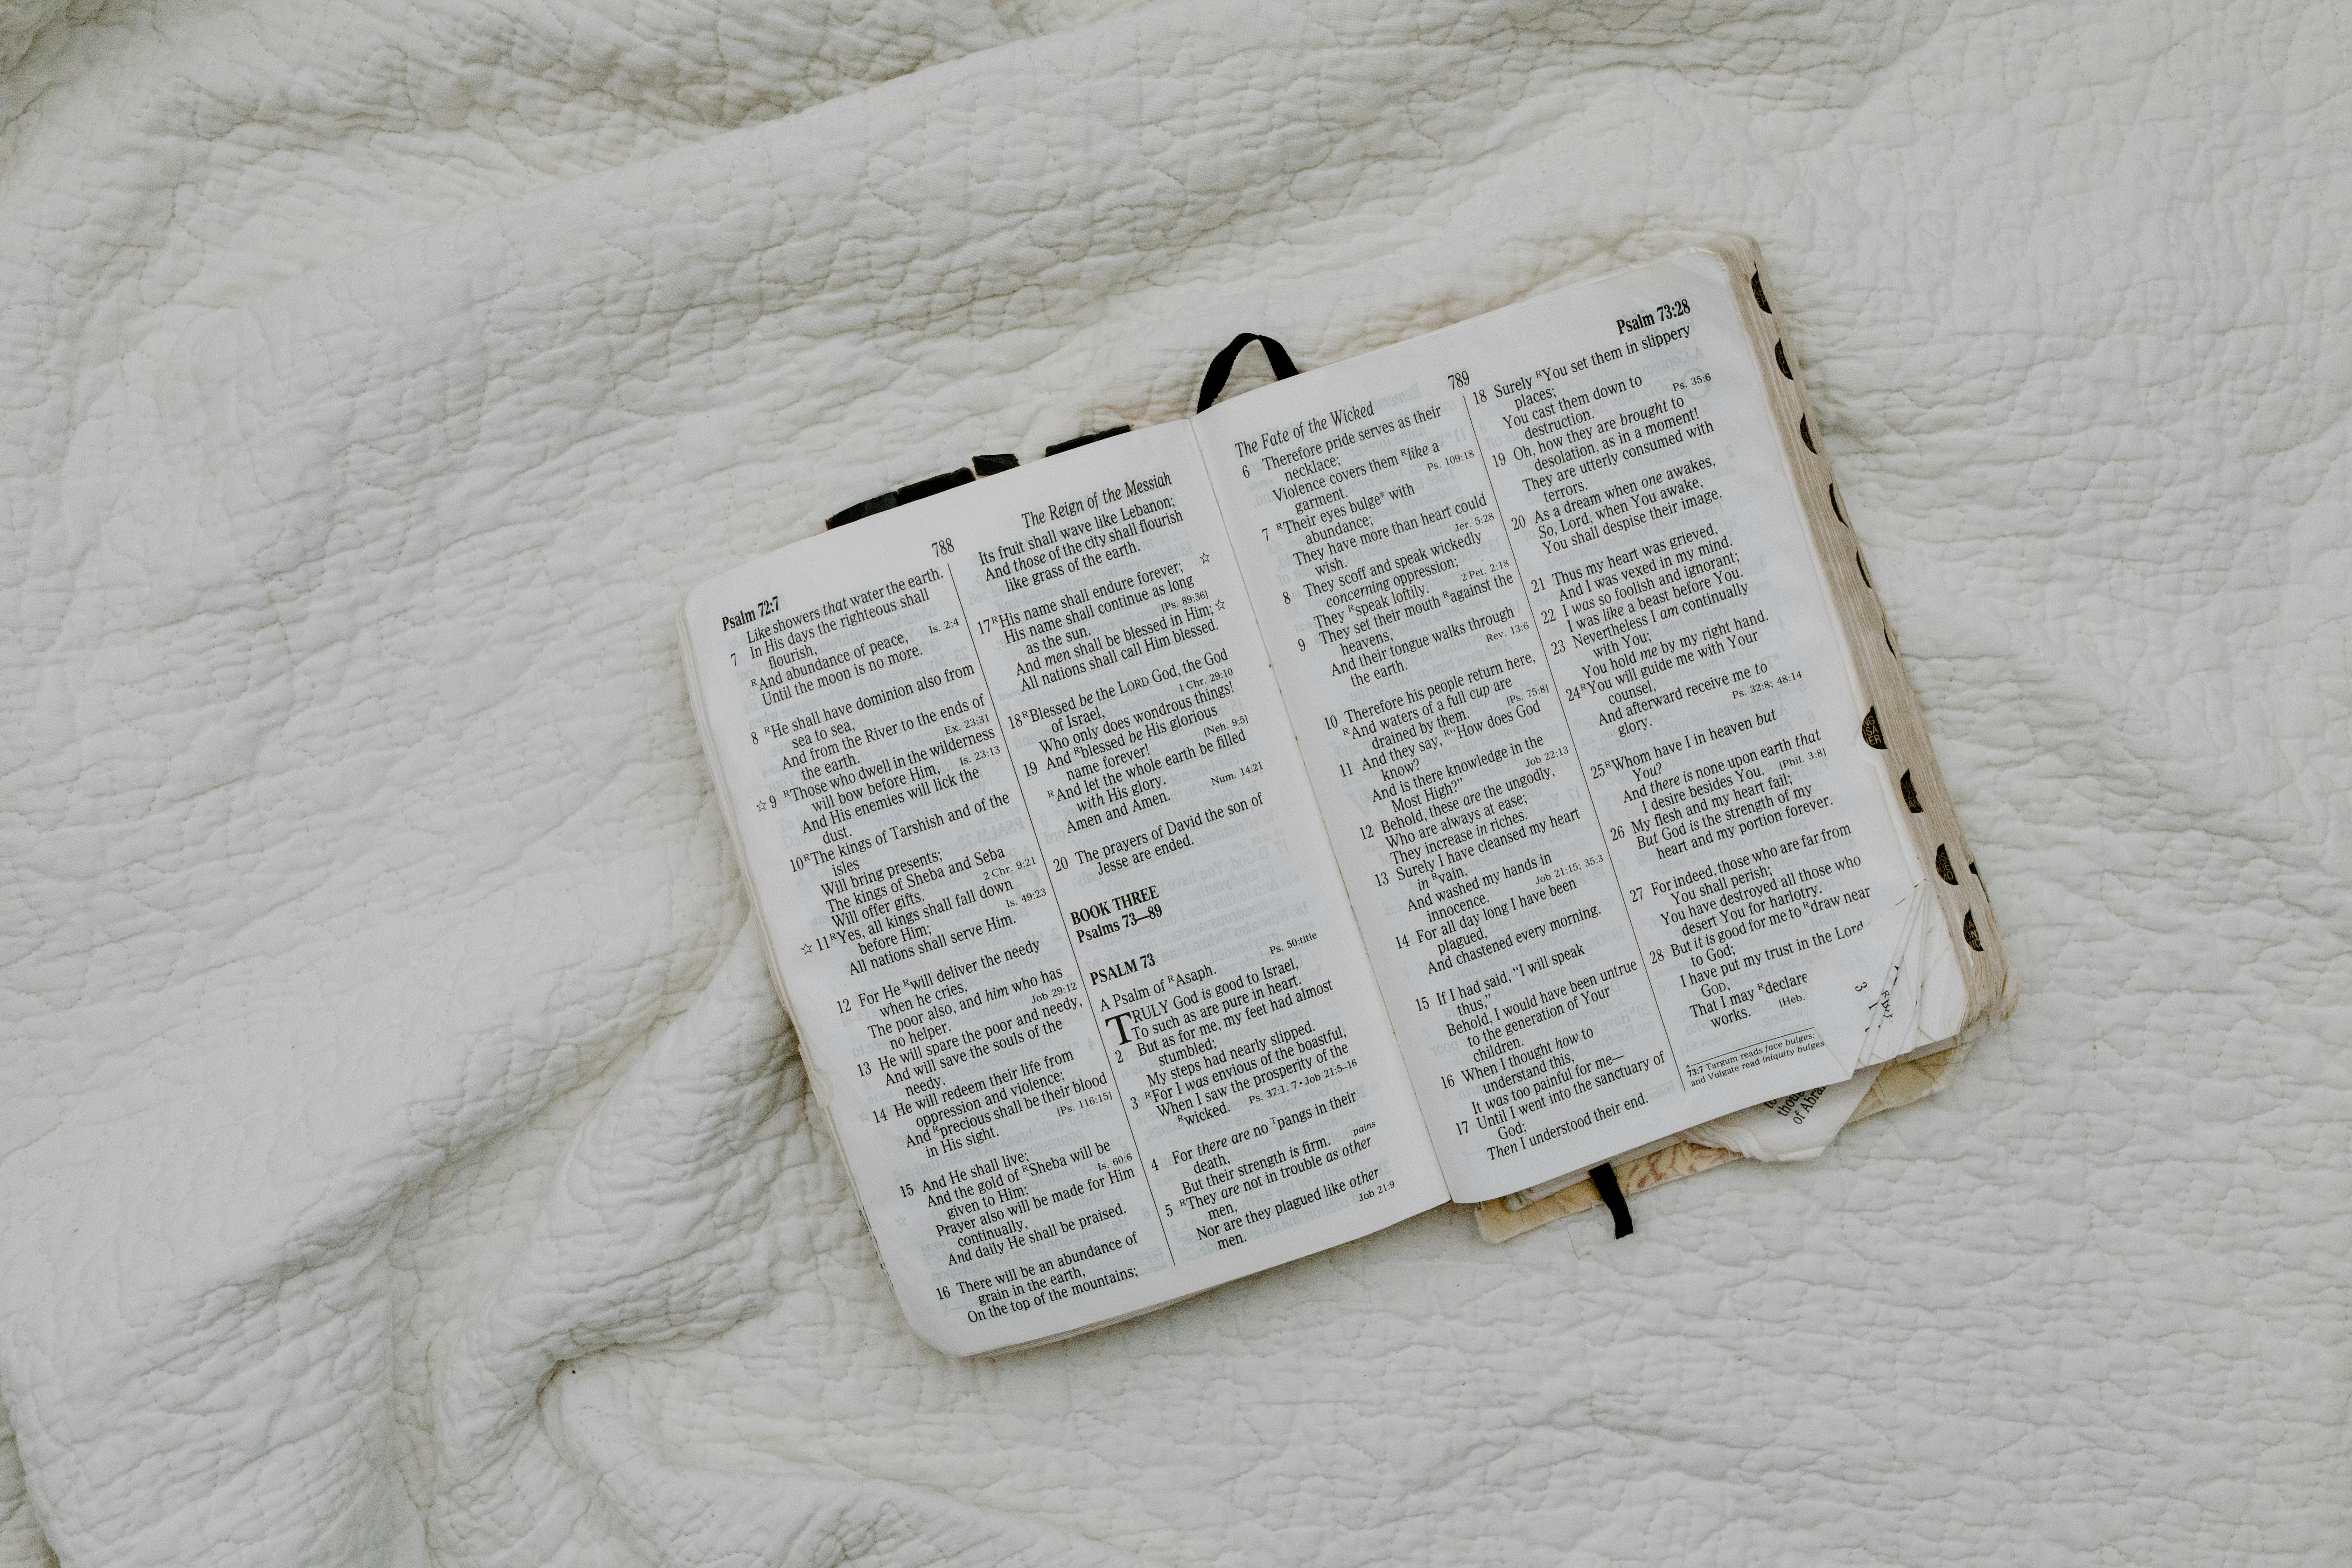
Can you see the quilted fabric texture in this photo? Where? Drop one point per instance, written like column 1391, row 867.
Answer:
column 402, row 1155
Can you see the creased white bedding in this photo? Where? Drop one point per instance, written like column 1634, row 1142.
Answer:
column 402, row 1155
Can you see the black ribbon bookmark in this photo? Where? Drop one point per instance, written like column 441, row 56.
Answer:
column 1221, row 370
column 1090, row 435
column 1222, row 367
column 985, row 463
column 982, row 466
column 1604, row 1182
column 900, row 496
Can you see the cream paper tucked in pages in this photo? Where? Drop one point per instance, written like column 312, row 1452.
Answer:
column 1048, row 897
column 1541, row 600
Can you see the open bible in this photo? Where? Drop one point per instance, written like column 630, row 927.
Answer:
column 1428, row 776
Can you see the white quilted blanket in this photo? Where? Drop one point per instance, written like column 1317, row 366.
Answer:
column 402, row 1156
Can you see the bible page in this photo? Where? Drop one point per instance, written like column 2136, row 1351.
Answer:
column 1040, row 871
column 1542, row 601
